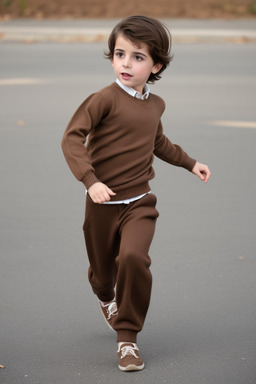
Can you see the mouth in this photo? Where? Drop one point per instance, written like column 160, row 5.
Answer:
column 126, row 76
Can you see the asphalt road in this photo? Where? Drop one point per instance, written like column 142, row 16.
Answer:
column 201, row 324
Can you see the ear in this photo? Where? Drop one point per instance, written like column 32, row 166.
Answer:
column 156, row 68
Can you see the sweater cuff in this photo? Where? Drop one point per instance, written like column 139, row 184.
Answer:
column 189, row 164
column 89, row 179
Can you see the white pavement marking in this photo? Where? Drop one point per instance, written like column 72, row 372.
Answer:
column 22, row 81
column 233, row 124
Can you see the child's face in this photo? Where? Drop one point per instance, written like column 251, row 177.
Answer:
column 132, row 64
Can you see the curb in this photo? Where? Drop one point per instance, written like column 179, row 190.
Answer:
column 26, row 34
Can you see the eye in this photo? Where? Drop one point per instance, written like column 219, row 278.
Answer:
column 119, row 54
column 138, row 58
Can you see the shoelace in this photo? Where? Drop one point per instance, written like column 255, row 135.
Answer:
column 129, row 350
column 111, row 308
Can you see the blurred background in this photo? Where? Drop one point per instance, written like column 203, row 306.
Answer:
column 121, row 8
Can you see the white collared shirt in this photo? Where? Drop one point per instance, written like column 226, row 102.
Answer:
column 133, row 92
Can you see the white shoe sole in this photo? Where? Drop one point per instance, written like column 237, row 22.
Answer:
column 131, row 367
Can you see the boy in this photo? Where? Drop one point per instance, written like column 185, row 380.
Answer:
column 123, row 125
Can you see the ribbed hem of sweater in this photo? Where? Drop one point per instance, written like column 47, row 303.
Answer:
column 128, row 193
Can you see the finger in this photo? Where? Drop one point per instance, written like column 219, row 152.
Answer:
column 200, row 175
column 205, row 175
column 98, row 198
column 104, row 196
column 208, row 174
column 111, row 192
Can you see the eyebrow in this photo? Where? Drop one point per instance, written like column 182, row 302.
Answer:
column 135, row 53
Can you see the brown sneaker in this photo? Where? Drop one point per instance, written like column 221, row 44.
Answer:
column 109, row 311
column 129, row 357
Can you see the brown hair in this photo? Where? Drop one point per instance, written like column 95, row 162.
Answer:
column 144, row 29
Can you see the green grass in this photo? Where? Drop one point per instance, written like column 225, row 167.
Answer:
column 252, row 7
column 22, row 4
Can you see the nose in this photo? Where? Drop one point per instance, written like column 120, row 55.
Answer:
column 126, row 62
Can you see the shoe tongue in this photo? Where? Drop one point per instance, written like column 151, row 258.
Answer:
column 125, row 344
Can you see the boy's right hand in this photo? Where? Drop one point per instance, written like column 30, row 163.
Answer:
column 100, row 193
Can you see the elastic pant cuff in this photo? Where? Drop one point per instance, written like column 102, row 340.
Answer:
column 126, row 335
column 106, row 296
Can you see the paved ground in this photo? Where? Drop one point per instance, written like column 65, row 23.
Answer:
column 201, row 324
column 183, row 30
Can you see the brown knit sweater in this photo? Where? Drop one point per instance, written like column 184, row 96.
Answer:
column 124, row 133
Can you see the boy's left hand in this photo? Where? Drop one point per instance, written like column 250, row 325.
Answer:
column 202, row 171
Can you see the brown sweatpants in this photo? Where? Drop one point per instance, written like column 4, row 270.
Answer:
column 117, row 239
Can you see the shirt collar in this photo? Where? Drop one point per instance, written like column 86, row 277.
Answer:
column 133, row 92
